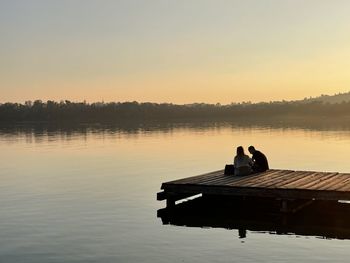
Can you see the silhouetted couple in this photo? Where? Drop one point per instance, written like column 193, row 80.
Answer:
column 244, row 165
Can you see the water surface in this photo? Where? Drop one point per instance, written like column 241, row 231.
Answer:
column 88, row 194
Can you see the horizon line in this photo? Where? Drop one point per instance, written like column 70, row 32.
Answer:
column 173, row 103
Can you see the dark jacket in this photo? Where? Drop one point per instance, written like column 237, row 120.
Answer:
column 260, row 161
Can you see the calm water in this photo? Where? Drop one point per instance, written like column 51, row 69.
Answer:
column 88, row 195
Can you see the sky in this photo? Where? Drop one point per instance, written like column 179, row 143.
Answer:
column 181, row 51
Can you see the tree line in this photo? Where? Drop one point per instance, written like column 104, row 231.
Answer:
column 131, row 111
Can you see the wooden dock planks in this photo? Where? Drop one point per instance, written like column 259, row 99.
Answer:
column 285, row 184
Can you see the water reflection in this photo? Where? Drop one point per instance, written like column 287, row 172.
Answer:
column 324, row 219
column 71, row 130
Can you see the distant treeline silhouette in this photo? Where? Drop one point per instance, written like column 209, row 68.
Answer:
column 117, row 111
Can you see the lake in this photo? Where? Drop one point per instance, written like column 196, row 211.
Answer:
column 88, row 194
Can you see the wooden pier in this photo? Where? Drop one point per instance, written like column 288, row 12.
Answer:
column 289, row 186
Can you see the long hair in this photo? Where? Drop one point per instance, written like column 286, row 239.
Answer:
column 240, row 151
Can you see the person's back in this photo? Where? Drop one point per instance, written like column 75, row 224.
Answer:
column 260, row 161
column 242, row 163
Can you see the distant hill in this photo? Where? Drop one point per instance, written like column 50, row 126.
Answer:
column 324, row 107
column 337, row 98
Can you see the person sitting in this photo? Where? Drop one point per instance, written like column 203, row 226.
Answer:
column 260, row 163
column 242, row 163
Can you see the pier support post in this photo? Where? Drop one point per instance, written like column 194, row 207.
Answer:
column 284, row 206
column 170, row 202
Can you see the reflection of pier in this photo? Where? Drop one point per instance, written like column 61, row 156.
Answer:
column 327, row 219
column 293, row 189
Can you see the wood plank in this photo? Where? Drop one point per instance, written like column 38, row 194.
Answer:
column 223, row 181
column 265, row 179
column 305, row 177
column 199, row 177
column 301, row 177
column 241, row 178
column 195, row 178
column 324, row 180
column 278, row 182
column 344, row 187
column 208, row 179
column 257, row 177
column 298, row 175
column 230, row 177
column 343, row 180
column 262, row 177
column 316, row 178
column 213, row 180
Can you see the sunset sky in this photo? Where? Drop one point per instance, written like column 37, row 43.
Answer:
column 173, row 51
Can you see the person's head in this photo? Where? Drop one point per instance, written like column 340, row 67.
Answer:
column 251, row 149
column 240, row 151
